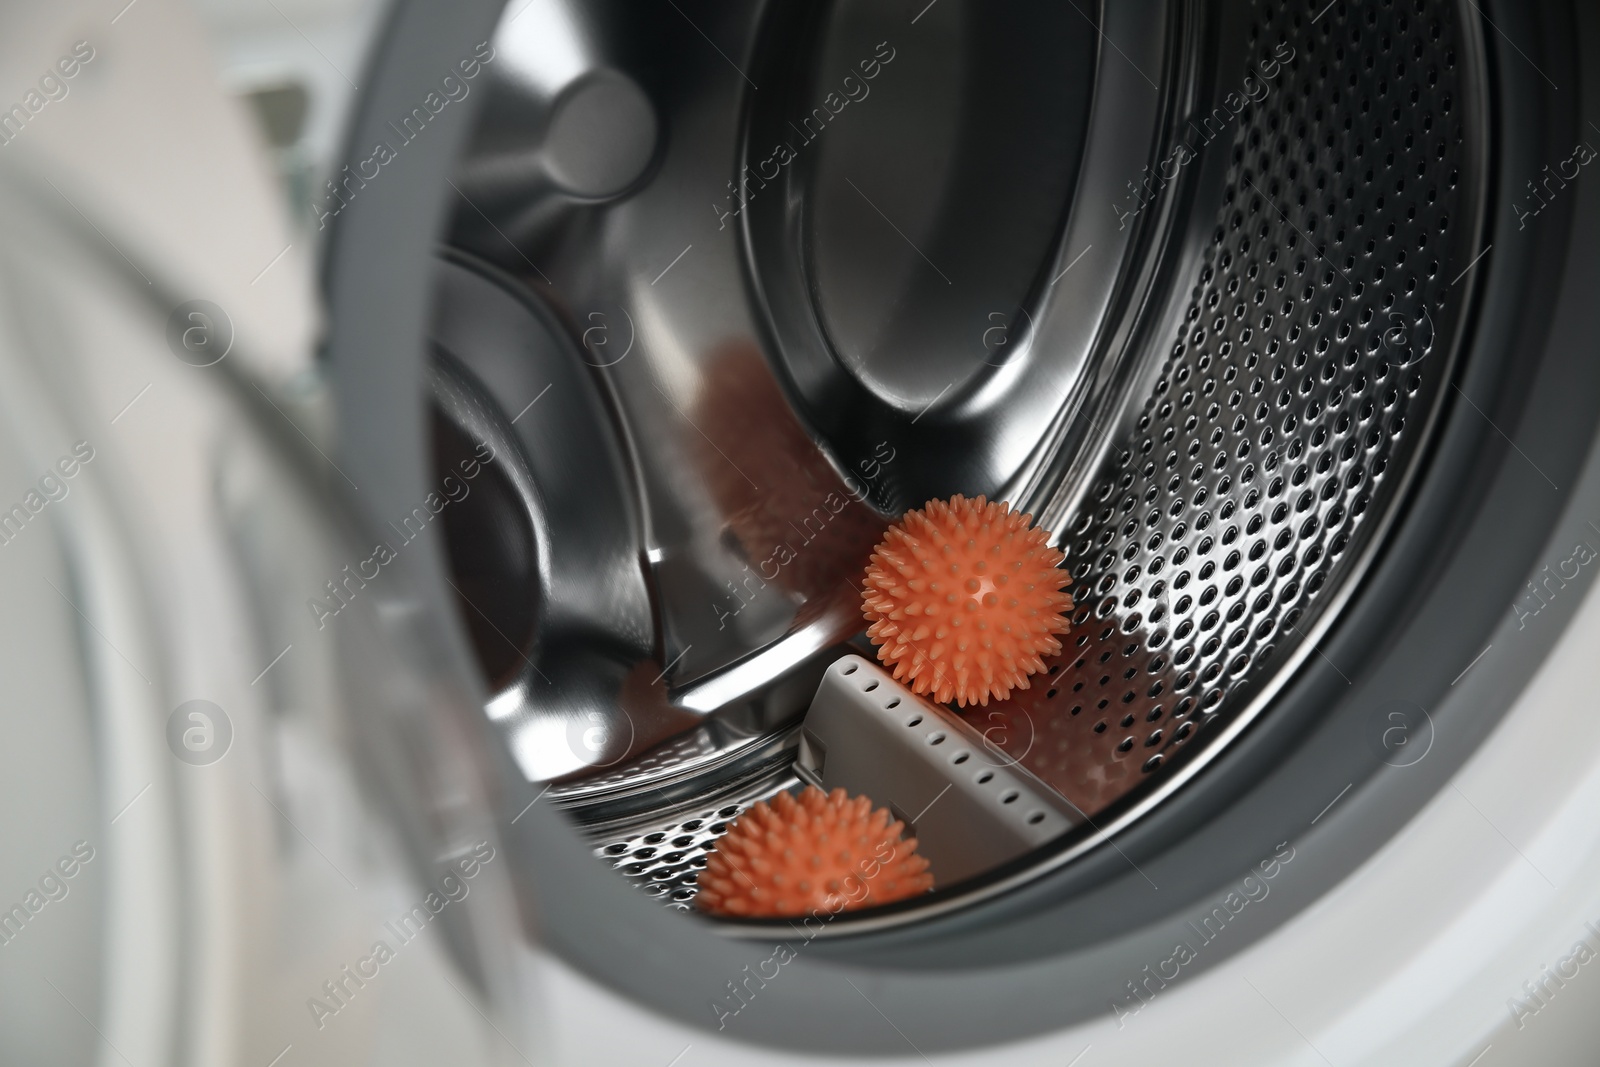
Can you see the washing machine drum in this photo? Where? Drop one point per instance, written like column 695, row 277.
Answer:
column 1250, row 308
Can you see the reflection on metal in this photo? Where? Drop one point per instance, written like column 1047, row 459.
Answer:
column 977, row 164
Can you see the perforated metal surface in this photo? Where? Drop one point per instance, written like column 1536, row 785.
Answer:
column 1312, row 353
column 665, row 859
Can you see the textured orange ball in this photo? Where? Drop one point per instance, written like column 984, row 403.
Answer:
column 821, row 853
column 965, row 600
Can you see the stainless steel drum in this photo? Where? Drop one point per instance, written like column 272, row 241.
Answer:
column 1203, row 333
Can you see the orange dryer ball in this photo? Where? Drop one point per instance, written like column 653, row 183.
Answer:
column 794, row 857
column 965, row 600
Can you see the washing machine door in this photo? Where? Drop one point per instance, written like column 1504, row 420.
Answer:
column 202, row 859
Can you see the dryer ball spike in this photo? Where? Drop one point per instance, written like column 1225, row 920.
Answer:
column 965, row 599
column 822, row 852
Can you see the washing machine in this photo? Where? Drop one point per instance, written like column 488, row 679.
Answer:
column 450, row 451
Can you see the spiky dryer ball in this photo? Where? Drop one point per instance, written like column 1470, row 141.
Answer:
column 965, row 599
column 821, row 853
